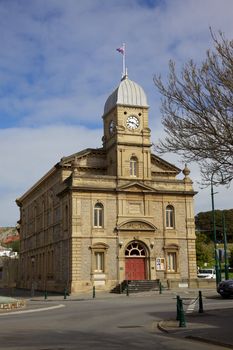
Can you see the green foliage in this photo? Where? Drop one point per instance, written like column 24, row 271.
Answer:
column 230, row 259
column 14, row 245
column 204, row 250
column 204, row 224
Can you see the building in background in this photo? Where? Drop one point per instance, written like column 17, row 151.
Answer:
column 102, row 216
column 8, row 267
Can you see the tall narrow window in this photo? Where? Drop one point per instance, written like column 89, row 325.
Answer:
column 66, row 218
column 35, row 212
column 99, row 261
column 171, row 262
column 98, row 215
column 43, row 215
column 49, row 264
column 170, row 219
column 133, row 166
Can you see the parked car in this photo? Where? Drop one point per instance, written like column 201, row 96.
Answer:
column 225, row 288
column 206, row 273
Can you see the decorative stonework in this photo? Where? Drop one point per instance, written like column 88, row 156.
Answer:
column 136, row 186
column 136, row 226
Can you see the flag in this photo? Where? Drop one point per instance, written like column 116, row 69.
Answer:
column 121, row 50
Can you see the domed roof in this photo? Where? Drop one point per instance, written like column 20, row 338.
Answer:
column 127, row 93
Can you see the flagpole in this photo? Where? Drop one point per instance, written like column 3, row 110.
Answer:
column 122, row 51
column 123, row 61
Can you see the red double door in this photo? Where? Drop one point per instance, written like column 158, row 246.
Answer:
column 135, row 269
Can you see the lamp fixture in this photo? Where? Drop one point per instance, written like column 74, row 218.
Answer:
column 120, row 244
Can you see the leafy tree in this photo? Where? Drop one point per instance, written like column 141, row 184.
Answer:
column 14, row 245
column 197, row 110
column 204, row 250
column 203, row 222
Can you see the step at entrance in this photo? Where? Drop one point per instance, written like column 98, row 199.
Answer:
column 137, row 286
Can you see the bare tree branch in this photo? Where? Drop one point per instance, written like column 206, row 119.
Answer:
column 197, row 111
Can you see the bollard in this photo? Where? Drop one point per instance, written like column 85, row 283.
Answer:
column 45, row 294
column 177, row 307
column 182, row 322
column 160, row 288
column 200, row 303
column 65, row 293
column 93, row 292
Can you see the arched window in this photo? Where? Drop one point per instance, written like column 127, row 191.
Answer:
column 98, row 215
column 135, row 249
column 133, row 166
column 170, row 217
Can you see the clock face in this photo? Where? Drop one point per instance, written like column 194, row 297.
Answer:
column 111, row 127
column 132, row 122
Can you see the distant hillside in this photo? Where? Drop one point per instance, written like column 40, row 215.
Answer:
column 204, row 223
column 7, row 232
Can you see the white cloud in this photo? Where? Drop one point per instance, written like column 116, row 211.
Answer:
column 58, row 64
column 30, row 153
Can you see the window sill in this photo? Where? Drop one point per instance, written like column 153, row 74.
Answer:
column 100, row 272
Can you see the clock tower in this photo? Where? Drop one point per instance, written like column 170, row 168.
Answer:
column 126, row 132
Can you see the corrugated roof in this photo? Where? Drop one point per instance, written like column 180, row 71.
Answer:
column 127, row 93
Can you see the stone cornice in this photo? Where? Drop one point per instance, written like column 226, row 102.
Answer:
column 108, row 189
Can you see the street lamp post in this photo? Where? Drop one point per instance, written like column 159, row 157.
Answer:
column 218, row 277
column 225, row 248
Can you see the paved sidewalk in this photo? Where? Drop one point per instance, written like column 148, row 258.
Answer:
column 5, row 299
column 212, row 326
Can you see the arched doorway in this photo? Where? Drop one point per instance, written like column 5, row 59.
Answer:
column 135, row 261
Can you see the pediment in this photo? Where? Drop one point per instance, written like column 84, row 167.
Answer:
column 135, row 187
column 136, row 225
column 160, row 165
column 88, row 158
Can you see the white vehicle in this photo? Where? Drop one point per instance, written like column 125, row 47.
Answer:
column 206, row 273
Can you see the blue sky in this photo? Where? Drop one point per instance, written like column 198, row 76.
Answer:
column 58, row 64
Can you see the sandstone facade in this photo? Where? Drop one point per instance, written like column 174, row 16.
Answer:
column 101, row 216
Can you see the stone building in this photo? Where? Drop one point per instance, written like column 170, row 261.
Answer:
column 102, row 216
